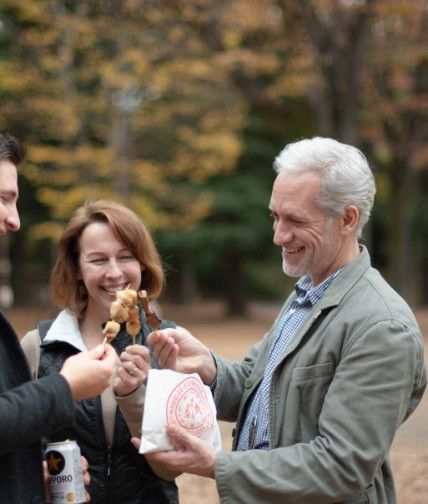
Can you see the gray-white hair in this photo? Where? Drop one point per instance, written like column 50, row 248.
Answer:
column 346, row 178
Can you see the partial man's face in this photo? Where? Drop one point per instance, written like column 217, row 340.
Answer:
column 9, row 218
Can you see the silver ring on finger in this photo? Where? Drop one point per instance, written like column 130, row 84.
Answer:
column 133, row 371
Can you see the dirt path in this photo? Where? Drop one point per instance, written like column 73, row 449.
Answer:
column 232, row 338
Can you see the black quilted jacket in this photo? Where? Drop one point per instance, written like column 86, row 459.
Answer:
column 119, row 474
column 28, row 410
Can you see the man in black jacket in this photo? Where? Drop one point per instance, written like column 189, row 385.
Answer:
column 32, row 409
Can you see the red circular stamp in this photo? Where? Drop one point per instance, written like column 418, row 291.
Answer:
column 188, row 406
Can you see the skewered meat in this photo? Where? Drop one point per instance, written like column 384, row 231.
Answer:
column 127, row 297
column 125, row 309
column 118, row 312
column 151, row 317
column 110, row 331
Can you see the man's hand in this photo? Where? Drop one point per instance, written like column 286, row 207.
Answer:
column 132, row 370
column 192, row 455
column 89, row 373
column 179, row 350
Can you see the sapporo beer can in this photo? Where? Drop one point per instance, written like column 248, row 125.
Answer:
column 65, row 473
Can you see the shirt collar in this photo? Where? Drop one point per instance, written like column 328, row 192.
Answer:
column 307, row 293
column 66, row 328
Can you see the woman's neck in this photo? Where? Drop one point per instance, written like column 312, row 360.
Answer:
column 91, row 329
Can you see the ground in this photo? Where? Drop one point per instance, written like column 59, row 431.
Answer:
column 231, row 338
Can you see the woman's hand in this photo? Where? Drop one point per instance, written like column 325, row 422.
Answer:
column 133, row 368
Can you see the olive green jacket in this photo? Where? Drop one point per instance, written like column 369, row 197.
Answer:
column 349, row 377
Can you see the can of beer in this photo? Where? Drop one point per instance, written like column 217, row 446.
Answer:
column 65, row 473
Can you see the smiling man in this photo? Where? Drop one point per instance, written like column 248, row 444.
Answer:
column 318, row 400
column 311, row 243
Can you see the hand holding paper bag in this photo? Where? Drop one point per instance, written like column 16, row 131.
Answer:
column 181, row 399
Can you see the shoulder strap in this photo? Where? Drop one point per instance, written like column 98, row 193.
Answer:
column 43, row 327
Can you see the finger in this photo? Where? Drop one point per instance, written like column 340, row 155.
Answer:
column 154, row 337
column 123, row 381
column 125, row 358
column 86, row 479
column 168, row 353
column 171, row 361
column 85, row 464
column 97, row 352
column 178, row 436
column 110, row 354
column 159, row 338
column 137, row 360
column 128, row 371
column 136, row 442
column 159, row 348
column 133, row 369
column 137, row 351
column 140, row 357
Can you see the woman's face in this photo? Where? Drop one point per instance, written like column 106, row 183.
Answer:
column 106, row 265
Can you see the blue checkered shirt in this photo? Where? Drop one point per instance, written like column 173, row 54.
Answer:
column 255, row 433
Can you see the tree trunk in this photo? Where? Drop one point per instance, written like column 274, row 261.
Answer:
column 188, row 290
column 236, row 293
column 400, row 247
column 341, row 62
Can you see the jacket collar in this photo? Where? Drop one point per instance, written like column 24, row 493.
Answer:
column 65, row 328
column 345, row 281
column 332, row 297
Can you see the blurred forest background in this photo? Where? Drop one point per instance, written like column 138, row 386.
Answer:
column 177, row 108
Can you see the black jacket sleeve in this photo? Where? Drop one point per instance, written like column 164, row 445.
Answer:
column 33, row 410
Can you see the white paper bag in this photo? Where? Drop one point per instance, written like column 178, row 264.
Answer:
column 178, row 398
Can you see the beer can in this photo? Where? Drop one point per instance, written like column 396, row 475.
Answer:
column 65, row 473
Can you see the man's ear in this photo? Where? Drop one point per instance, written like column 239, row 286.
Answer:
column 350, row 217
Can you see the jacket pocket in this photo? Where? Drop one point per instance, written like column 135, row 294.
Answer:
column 317, row 372
column 309, row 386
column 366, row 497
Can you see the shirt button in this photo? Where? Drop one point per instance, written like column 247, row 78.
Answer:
column 248, row 383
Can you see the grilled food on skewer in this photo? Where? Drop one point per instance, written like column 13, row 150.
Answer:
column 118, row 312
column 151, row 317
column 133, row 328
column 127, row 297
column 133, row 314
column 110, row 331
column 125, row 309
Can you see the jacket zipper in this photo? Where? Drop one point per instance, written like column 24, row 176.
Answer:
column 108, row 472
column 109, row 463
